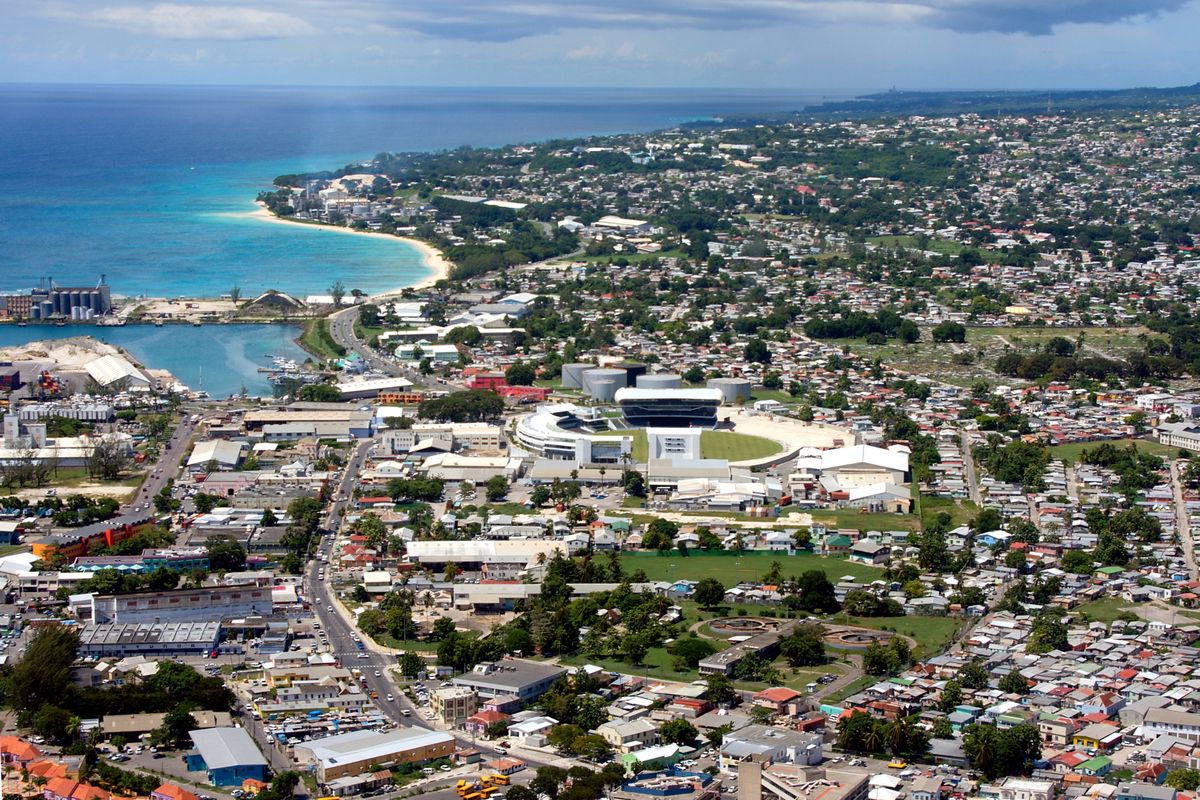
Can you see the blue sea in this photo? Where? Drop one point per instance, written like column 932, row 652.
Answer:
column 152, row 187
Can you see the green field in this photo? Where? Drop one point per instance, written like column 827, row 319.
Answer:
column 713, row 444
column 933, row 245
column 932, row 634
column 730, row 568
column 961, row 511
column 1106, row 609
column 1070, row 453
column 852, row 518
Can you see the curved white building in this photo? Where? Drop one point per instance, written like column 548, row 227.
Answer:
column 558, row 431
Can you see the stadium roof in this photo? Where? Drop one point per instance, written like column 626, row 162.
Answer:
column 668, row 394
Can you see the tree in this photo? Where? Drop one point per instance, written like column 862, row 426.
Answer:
column 520, row 374
column 677, row 731
column 225, row 553
column 690, row 651
column 709, row 593
column 235, row 294
column 952, row 696
column 1186, row 780
column 973, row 675
column 694, row 374
column 42, row 674
column 949, row 332
column 175, row 727
column 719, row 690
column 805, row 646
column 320, row 393
column 496, row 488
column 756, row 351
column 519, row 792
column 563, row 736
column 338, row 292
column 816, row 592
column 108, row 459
column 411, row 664
column 1014, row 683
column 634, row 647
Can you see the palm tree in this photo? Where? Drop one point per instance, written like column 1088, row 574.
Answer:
column 873, row 739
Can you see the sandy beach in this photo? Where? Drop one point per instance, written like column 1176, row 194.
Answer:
column 432, row 257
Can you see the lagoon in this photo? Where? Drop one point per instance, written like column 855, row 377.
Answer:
column 219, row 359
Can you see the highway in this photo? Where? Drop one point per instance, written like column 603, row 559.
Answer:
column 341, row 633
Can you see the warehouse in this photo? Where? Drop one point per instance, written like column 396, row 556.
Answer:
column 215, row 454
column 158, row 639
column 352, row 753
column 370, row 389
column 228, row 755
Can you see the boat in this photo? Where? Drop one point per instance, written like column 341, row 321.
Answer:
column 158, row 323
column 195, row 323
column 60, row 324
column 22, row 324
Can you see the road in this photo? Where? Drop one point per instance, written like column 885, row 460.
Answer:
column 340, row 632
column 969, row 470
column 1183, row 527
column 341, row 328
column 168, row 462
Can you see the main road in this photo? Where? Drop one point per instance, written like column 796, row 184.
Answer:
column 340, row 632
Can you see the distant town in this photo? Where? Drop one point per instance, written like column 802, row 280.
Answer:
column 837, row 459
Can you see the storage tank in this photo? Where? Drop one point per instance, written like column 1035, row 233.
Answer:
column 572, row 375
column 633, row 371
column 731, row 388
column 605, row 390
column 612, row 378
column 661, row 380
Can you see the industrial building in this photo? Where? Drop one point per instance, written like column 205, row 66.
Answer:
column 182, row 605
column 215, row 453
column 352, row 753
column 228, row 755
column 150, row 639
column 498, row 560
column 370, row 389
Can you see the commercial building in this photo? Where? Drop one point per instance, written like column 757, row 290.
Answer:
column 370, row 389
column 1184, row 435
column 670, row 408
column 453, row 704
column 228, row 755
column 150, row 639
column 1180, row 724
column 500, row 560
column 524, row 679
column 352, row 753
column 771, row 744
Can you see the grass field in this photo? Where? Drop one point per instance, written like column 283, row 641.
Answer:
column 1106, row 609
column 933, row 245
column 730, row 568
column 317, row 340
column 960, row 511
column 713, row 444
column 1070, row 453
column 852, row 518
column 932, row 634
column 855, row 686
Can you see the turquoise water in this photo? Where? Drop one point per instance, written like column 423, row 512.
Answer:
column 153, row 186
column 220, row 359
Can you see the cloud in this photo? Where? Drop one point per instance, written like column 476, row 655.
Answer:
column 506, row 20
column 181, row 21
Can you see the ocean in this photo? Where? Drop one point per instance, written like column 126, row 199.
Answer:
column 151, row 187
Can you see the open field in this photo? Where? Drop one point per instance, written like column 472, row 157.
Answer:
column 933, row 245
column 730, row 568
column 932, row 634
column 1106, row 609
column 713, row 444
column 853, row 518
column 1070, row 453
column 960, row 511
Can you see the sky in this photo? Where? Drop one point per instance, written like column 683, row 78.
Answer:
column 765, row 44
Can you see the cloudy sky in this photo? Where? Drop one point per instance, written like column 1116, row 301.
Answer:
column 791, row 44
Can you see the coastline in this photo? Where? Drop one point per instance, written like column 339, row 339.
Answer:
column 430, row 255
